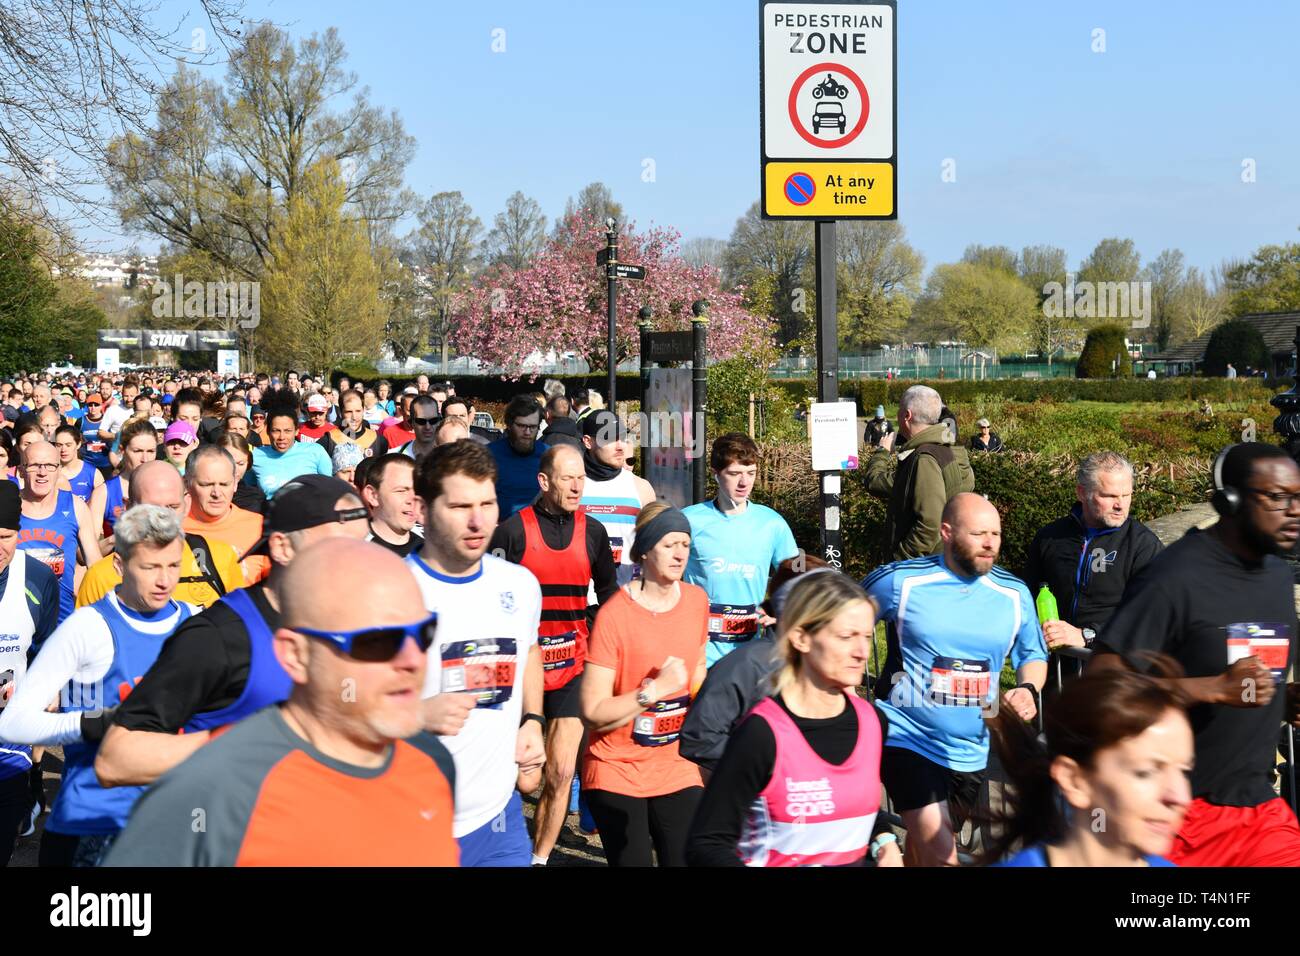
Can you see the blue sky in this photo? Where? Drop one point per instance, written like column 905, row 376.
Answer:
column 1053, row 143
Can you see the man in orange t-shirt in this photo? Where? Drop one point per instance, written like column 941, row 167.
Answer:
column 323, row 779
column 210, row 480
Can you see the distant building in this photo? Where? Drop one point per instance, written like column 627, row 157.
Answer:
column 1277, row 328
column 117, row 270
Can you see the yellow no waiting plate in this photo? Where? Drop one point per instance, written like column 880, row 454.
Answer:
column 829, row 190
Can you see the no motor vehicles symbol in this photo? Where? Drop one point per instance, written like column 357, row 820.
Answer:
column 832, row 105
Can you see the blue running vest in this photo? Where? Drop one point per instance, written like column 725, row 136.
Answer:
column 83, row 806
column 267, row 681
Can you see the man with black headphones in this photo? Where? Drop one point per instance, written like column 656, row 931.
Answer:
column 1221, row 603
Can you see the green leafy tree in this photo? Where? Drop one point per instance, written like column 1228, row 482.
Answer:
column 321, row 299
column 41, row 319
column 995, row 257
column 879, row 278
column 1268, row 282
column 1112, row 260
column 983, row 306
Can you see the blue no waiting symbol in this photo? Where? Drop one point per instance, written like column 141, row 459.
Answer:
column 800, row 189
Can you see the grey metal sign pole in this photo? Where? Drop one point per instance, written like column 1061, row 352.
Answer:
column 828, row 367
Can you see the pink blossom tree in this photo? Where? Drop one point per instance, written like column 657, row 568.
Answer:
column 558, row 301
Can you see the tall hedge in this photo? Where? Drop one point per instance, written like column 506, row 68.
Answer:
column 1238, row 342
column 1104, row 344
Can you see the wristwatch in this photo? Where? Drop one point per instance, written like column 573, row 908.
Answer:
column 643, row 696
column 880, row 842
column 1089, row 635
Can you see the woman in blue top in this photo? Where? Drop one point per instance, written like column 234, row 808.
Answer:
column 82, row 477
column 1119, row 752
column 286, row 458
column 54, row 522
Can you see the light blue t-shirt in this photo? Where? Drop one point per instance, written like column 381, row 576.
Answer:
column 953, row 635
column 731, row 558
column 274, row 469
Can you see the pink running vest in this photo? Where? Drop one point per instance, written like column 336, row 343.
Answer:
column 812, row 813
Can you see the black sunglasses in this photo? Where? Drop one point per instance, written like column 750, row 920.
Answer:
column 424, row 422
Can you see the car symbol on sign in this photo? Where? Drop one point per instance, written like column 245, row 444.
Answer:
column 829, row 114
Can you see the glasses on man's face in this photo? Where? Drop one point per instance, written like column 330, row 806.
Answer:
column 1276, row 500
column 424, row 422
column 520, row 427
column 41, row 466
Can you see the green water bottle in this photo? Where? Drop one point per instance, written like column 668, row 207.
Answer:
column 1046, row 604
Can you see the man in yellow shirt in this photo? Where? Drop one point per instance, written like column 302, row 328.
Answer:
column 209, row 568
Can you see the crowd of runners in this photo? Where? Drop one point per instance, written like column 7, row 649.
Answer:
column 293, row 622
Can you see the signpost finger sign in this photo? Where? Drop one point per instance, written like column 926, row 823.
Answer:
column 828, row 95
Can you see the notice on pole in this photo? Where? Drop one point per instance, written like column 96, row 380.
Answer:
column 834, row 436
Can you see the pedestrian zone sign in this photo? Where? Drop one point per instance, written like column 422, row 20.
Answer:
column 828, row 97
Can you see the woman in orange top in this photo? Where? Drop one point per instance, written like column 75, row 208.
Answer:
column 644, row 658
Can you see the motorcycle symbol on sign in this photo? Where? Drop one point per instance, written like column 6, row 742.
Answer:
column 828, row 87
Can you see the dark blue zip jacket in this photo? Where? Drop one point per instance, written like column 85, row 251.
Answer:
column 1088, row 569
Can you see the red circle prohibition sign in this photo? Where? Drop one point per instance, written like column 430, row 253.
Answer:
column 852, row 134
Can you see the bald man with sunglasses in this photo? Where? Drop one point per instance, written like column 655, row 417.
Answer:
column 327, row 778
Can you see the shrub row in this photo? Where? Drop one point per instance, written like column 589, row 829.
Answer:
column 1029, row 491
column 872, row 392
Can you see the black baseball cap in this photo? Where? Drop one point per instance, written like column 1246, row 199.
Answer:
column 306, row 502
column 603, row 427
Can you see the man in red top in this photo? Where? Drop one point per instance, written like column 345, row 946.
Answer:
column 570, row 557
column 316, row 427
column 401, row 433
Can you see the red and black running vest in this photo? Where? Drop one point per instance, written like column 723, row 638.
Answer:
column 564, row 576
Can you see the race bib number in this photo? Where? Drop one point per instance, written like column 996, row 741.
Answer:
column 484, row 668
column 732, row 623
column 558, row 650
column 955, row 682
column 662, row 723
column 95, row 447
column 616, row 546
column 52, row 558
column 1269, row 642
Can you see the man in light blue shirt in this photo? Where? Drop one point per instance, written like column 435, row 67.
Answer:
column 735, row 545
column 954, row 618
